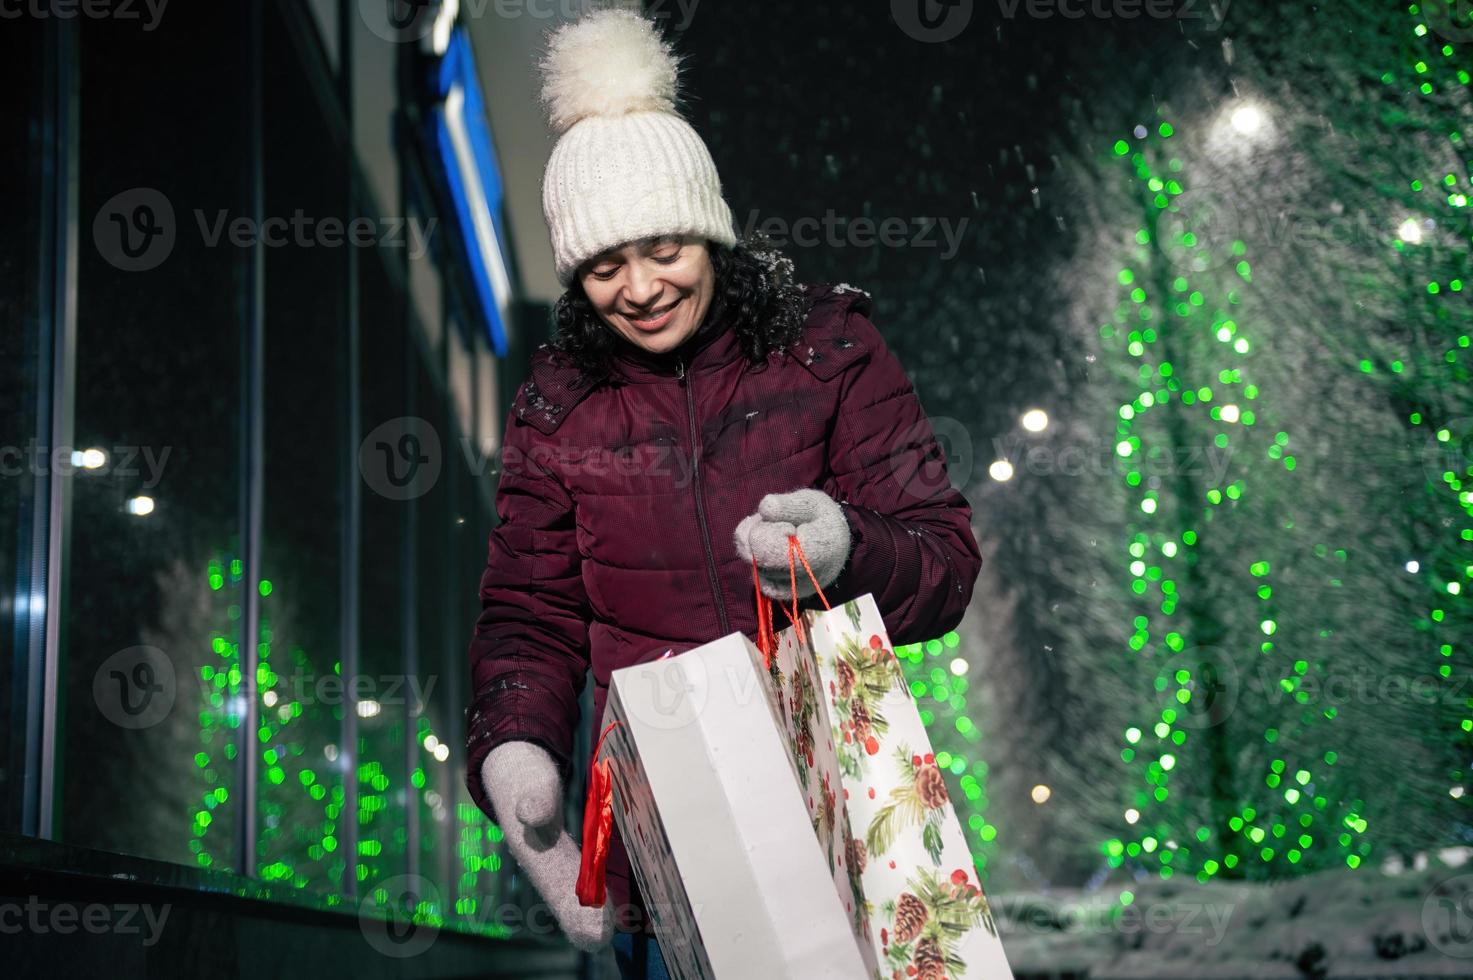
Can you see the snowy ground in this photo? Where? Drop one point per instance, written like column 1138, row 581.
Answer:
column 1415, row 922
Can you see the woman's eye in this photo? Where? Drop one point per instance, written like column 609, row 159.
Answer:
column 667, row 259
column 604, row 275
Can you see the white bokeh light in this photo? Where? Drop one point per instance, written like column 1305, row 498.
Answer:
column 1248, row 120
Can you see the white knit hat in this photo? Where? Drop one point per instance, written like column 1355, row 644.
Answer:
column 626, row 165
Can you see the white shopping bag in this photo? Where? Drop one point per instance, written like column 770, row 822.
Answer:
column 710, row 809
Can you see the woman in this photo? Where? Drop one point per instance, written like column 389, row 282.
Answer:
column 695, row 409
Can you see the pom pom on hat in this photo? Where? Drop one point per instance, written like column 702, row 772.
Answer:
column 609, row 63
column 626, row 164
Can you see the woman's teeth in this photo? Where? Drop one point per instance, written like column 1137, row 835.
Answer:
column 656, row 318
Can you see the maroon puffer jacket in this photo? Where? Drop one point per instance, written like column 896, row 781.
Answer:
column 613, row 548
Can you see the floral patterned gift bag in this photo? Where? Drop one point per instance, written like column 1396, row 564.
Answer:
column 907, row 878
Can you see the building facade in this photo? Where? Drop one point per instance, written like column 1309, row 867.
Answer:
column 260, row 324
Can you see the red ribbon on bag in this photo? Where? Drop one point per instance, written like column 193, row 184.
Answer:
column 598, row 826
column 766, row 637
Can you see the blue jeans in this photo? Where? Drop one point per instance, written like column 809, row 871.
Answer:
column 638, row 956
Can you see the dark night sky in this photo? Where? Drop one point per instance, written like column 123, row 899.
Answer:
column 826, row 107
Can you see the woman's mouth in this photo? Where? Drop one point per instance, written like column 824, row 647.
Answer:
column 656, row 319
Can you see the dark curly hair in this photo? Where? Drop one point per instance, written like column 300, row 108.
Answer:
column 754, row 286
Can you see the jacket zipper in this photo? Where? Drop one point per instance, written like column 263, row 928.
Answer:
column 695, row 439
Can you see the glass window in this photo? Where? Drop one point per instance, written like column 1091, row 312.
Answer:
column 325, row 13
column 462, row 389
column 153, row 706
column 431, row 774
column 152, row 595
column 383, row 784
column 20, row 248
column 488, row 408
column 303, row 695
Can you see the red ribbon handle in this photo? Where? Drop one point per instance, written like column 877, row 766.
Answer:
column 766, row 637
column 598, row 827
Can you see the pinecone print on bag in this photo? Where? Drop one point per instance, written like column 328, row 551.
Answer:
column 910, row 917
column 796, row 699
column 866, row 674
column 805, row 709
column 919, row 798
column 936, row 913
column 930, row 787
column 846, row 679
column 854, row 861
column 803, row 747
column 862, row 724
column 816, row 821
column 777, row 687
column 930, row 962
column 823, row 813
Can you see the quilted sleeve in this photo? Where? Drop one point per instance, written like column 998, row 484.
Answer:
column 913, row 545
column 529, row 652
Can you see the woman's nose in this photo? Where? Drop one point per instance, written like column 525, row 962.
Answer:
column 644, row 286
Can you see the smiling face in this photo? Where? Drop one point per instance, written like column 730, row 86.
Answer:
column 654, row 293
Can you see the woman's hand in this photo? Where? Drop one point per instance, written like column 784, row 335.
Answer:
column 822, row 530
column 522, row 781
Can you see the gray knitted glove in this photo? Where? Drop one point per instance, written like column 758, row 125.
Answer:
column 523, row 784
column 822, row 530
